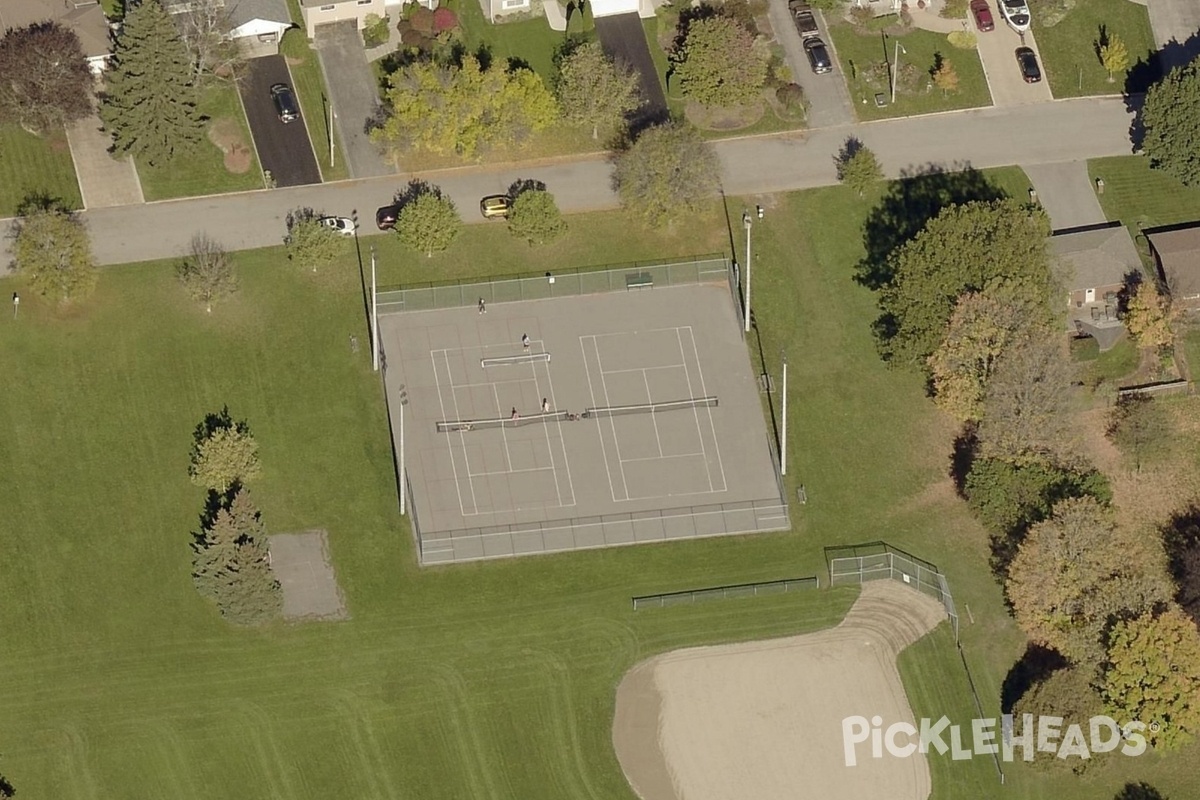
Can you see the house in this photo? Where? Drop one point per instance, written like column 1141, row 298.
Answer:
column 1176, row 251
column 85, row 17
column 599, row 8
column 258, row 25
column 322, row 12
column 1098, row 259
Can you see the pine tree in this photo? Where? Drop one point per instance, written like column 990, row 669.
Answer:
column 231, row 563
column 150, row 105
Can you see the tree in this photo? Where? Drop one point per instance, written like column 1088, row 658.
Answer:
column 429, row 222
column 1114, row 56
column 310, row 243
column 945, row 76
column 1066, row 693
column 149, row 104
column 46, row 83
column 535, row 218
column 959, row 251
column 204, row 27
column 1139, row 426
column 667, row 173
column 1148, row 315
column 1139, row 791
column 51, row 248
column 593, row 91
column 1077, row 572
column 230, row 563
column 857, row 166
column 207, row 271
column 981, row 327
column 1027, row 412
column 463, row 109
column 1153, row 675
column 224, row 453
column 1170, row 120
column 1008, row 498
column 717, row 64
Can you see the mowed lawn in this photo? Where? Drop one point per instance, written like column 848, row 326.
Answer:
column 1134, row 193
column 1069, row 48
column 35, row 165
column 490, row 680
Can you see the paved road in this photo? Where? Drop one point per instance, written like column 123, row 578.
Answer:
column 283, row 148
column 1067, row 130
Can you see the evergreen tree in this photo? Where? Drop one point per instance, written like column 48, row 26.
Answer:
column 1171, row 121
column 231, row 563
column 150, row 105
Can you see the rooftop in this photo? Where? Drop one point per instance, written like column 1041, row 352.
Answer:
column 1178, row 251
column 1099, row 256
column 87, row 20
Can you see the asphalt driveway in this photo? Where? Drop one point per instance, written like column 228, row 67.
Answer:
column 828, row 101
column 624, row 40
column 353, row 93
column 283, row 149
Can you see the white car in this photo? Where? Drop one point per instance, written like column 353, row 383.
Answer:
column 1016, row 13
column 343, row 225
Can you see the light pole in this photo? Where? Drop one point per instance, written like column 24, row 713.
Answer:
column 331, row 116
column 896, row 68
column 403, row 395
column 748, row 222
column 783, row 444
column 374, row 317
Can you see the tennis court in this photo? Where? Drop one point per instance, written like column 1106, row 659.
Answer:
column 578, row 422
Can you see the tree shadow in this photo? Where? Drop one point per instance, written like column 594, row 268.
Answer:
column 515, row 63
column 1100, row 42
column 846, row 153
column 910, row 202
column 1145, row 72
column 1181, row 537
column 1035, row 666
column 36, row 201
column 220, row 420
column 687, row 17
column 1139, row 791
column 414, row 189
column 525, row 185
column 962, row 457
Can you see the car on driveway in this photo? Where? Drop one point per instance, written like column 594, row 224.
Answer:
column 983, row 16
column 1028, row 62
column 495, row 206
column 343, row 225
column 806, row 24
column 818, row 55
column 285, row 102
column 385, row 218
column 1016, row 13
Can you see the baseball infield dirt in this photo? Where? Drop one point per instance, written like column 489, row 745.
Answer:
column 764, row 719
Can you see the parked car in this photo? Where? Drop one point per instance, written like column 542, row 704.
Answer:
column 818, row 55
column 806, row 24
column 983, row 16
column 1017, row 14
column 385, row 218
column 796, row 6
column 495, row 206
column 285, row 102
column 1028, row 62
column 343, row 225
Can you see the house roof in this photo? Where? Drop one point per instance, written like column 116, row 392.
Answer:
column 314, row 3
column 1098, row 256
column 88, row 21
column 1178, row 254
column 243, row 11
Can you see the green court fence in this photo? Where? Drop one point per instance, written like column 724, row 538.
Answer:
column 634, row 276
column 719, row 592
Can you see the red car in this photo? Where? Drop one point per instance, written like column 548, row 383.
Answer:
column 983, row 16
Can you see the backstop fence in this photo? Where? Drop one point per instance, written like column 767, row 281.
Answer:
column 631, row 276
column 718, row 592
column 859, row 563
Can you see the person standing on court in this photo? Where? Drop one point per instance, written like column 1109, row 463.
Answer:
column 515, row 415
column 525, row 340
column 545, row 406
column 482, row 306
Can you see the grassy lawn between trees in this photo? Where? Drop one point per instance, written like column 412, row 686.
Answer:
column 490, row 680
column 1134, row 193
column 1068, row 49
column 35, row 165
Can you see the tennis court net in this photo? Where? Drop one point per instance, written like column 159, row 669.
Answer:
column 652, row 408
column 463, row 425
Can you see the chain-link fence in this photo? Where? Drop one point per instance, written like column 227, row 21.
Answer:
column 860, row 563
column 718, row 592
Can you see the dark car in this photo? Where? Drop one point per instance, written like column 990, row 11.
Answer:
column 285, row 102
column 806, row 24
column 818, row 55
column 983, row 16
column 1030, row 70
column 385, row 218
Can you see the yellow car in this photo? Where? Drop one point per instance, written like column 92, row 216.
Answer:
column 495, row 206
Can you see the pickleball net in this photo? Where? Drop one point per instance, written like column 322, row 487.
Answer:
column 463, row 425
column 652, row 408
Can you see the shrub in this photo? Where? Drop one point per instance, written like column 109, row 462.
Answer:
column 963, row 40
column 861, row 16
column 444, row 19
column 791, row 96
column 422, row 21
column 376, row 30
column 954, row 9
column 414, row 38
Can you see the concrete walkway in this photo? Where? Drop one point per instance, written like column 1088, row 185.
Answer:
column 104, row 181
column 1066, row 192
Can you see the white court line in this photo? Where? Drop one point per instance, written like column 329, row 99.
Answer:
column 490, row 383
column 657, row 458
column 611, row 421
column 509, row 471
column 708, row 410
column 653, row 421
column 643, row 369
column 461, row 437
column 592, row 393
column 449, row 444
column 503, row 435
column 562, row 442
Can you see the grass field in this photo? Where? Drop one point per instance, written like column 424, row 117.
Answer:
column 35, row 165
column 1069, row 49
column 309, row 82
column 1134, row 193
column 203, row 171
column 863, row 54
column 530, row 41
column 491, row 680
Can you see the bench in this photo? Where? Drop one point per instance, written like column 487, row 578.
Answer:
column 639, row 280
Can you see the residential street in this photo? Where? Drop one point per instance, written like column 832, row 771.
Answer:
column 1067, row 130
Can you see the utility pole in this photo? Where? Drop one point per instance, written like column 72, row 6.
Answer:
column 748, row 222
column 331, row 115
column 403, row 478
column 896, row 69
column 374, row 317
column 783, row 443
